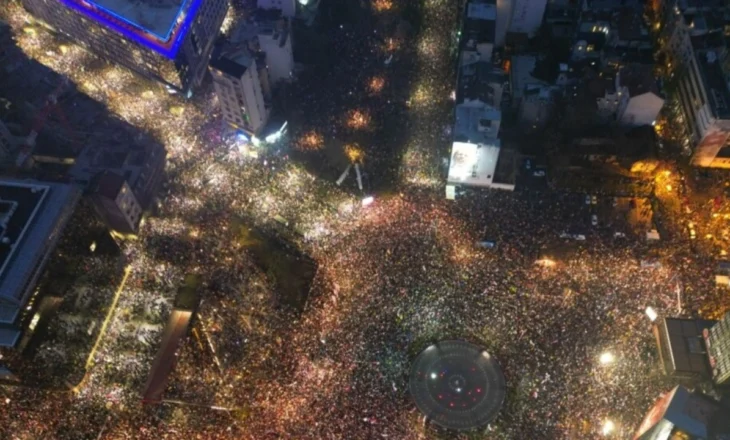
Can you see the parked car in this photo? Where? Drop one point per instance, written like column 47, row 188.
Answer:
column 594, row 200
column 539, row 173
column 588, row 199
column 594, row 220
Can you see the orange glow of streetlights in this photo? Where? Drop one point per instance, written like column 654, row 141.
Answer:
column 358, row 119
column 376, row 84
column 354, row 153
column 311, row 141
column 383, row 5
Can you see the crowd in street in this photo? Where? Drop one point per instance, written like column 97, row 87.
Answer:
column 391, row 278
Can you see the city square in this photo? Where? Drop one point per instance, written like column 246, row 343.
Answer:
column 317, row 294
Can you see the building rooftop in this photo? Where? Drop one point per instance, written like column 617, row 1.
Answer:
column 155, row 16
column 630, row 26
column 476, row 123
column 485, row 10
column 242, row 46
column 480, row 23
column 30, row 214
column 682, row 348
column 480, row 80
column 639, row 79
column 159, row 25
column 521, row 74
column 233, row 60
column 486, row 165
column 108, row 184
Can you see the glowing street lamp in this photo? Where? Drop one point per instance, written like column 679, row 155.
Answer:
column 606, row 358
column 651, row 313
column 608, row 428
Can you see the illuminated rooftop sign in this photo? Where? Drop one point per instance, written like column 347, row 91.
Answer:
column 159, row 25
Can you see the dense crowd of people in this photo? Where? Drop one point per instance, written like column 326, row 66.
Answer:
column 391, row 277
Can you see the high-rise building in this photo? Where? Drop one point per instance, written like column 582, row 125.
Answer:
column 32, row 217
column 166, row 40
column 684, row 414
column 695, row 40
column 238, row 78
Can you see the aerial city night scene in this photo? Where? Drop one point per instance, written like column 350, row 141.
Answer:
column 364, row 219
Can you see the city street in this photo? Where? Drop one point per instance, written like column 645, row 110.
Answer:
column 391, row 276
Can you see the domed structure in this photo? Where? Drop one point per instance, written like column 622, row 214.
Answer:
column 457, row 385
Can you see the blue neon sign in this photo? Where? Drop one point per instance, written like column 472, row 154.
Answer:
column 166, row 50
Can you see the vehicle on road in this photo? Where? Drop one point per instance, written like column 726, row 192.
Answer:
column 539, row 173
column 594, row 220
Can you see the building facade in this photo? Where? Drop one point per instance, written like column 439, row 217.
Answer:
column 238, row 84
column 694, row 40
column 717, row 340
column 169, row 41
column 115, row 202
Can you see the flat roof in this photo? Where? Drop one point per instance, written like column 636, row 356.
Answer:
column 476, row 124
column 479, row 80
column 521, row 74
column 480, row 23
column 30, row 213
column 685, row 345
column 155, row 16
column 472, row 164
column 482, row 10
column 159, row 25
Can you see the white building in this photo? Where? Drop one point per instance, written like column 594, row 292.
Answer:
column 273, row 35
column 527, row 16
column 288, row 8
column 475, row 165
column 238, row 84
column 640, row 102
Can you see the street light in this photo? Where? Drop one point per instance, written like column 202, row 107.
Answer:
column 608, row 428
column 606, row 358
column 651, row 313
